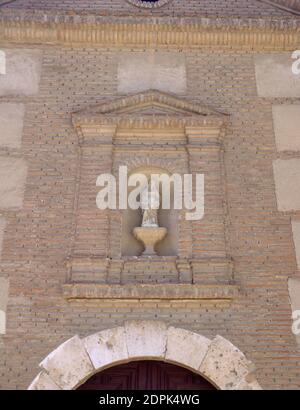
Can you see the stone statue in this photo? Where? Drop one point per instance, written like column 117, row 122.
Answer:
column 149, row 204
column 150, row 233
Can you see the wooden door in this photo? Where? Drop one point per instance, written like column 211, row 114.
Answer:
column 146, row 375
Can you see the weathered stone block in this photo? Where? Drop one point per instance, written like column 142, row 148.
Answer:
column 13, row 173
column 186, row 348
column 224, row 364
column 151, row 70
column 274, row 76
column 146, row 338
column 286, row 119
column 107, row 347
column 2, row 229
column 287, row 183
column 11, row 124
column 43, row 382
column 294, row 291
column 69, row 364
column 23, row 70
column 4, row 285
column 246, row 385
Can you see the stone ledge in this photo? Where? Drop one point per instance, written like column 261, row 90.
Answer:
column 169, row 291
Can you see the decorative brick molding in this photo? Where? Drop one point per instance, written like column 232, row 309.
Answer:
column 76, row 360
column 289, row 5
column 247, row 34
column 162, row 292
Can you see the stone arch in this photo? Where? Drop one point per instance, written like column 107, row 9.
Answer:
column 76, row 360
column 147, row 4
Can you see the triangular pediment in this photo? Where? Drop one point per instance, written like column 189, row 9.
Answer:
column 150, row 103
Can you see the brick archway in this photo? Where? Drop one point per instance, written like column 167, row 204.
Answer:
column 76, row 360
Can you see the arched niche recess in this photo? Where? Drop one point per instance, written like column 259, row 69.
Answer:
column 167, row 218
column 146, row 375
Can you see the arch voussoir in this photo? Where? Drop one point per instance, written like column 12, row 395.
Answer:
column 146, row 339
column 186, row 348
column 69, row 364
column 225, row 365
column 43, row 382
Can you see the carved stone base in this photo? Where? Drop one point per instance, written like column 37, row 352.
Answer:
column 150, row 236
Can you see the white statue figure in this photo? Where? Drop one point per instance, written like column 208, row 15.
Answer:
column 150, row 204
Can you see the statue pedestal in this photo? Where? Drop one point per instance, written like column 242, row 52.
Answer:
column 150, row 236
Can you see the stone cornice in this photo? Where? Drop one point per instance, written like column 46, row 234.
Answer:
column 150, row 98
column 292, row 6
column 100, row 31
column 147, row 4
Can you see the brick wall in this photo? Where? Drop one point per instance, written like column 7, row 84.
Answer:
column 37, row 239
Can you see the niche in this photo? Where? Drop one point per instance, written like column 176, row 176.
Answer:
column 167, row 218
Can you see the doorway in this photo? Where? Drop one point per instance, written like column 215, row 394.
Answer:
column 146, row 375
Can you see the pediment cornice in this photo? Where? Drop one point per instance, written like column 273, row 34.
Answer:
column 150, row 109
